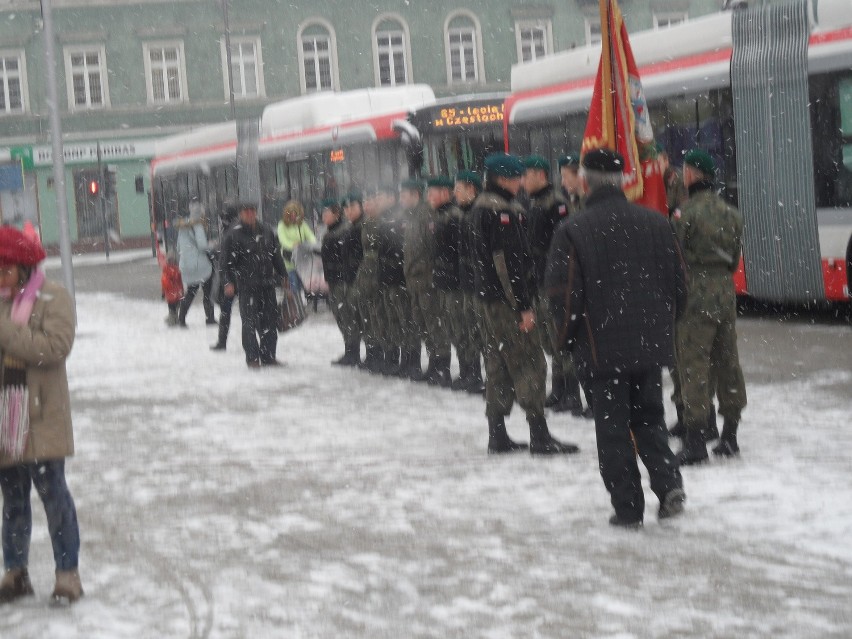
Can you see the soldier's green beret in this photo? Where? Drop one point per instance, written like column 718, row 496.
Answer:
column 352, row 197
column 701, row 160
column 328, row 203
column 247, row 205
column 569, row 160
column 537, row 162
column 659, row 148
column 440, row 181
column 504, row 165
column 603, row 161
column 411, row 184
column 471, row 178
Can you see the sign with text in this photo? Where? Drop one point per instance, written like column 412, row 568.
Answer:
column 467, row 115
column 87, row 152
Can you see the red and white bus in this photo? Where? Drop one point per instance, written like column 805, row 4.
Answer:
column 689, row 74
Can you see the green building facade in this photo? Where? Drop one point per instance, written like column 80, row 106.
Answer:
column 130, row 72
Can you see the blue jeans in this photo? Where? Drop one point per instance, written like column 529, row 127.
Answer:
column 295, row 282
column 49, row 480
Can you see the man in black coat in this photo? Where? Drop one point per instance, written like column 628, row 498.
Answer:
column 616, row 282
column 251, row 260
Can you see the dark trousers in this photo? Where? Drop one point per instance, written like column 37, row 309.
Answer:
column 259, row 312
column 225, row 318
column 186, row 302
column 624, row 403
column 49, row 479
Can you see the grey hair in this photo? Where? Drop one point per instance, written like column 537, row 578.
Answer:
column 597, row 179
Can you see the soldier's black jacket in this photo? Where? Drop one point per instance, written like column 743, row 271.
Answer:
column 333, row 253
column 547, row 209
column 465, row 257
column 353, row 250
column 391, row 234
column 447, row 234
column 499, row 250
column 251, row 257
column 616, row 282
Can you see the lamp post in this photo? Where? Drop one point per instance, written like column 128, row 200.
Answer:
column 225, row 9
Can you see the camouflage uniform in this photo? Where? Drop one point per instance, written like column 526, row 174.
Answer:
column 710, row 235
column 339, row 280
column 676, row 193
column 367, row 286
column 395, row 299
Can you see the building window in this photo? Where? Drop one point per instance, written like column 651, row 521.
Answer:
column 12, row 83
column 390, row 50
column 165, row 71
column 534, row 39
column 318, row 56
column 85, row 68
column 593, row 31
column 464, row 48
column 669, row 19
column 246, row 67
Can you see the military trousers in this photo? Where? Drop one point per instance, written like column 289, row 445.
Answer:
column 561, row 362
column 345, row 312
column 707, row 357
column 452, row 303
column 426, row 314
column 471, row 322
column 515, row 367
column 400, row 332
column 369, row 301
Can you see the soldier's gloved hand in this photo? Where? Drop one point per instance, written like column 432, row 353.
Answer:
column 527, row 321
column 229, row 290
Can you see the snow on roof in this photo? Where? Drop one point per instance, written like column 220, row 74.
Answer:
column 202, row 136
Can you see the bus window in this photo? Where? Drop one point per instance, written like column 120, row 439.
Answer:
column 831, row 126
column 844, row 178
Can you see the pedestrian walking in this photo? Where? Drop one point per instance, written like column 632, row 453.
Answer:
column 171, row 283
column 514, row 361
column 252, row 263
column 227, row 218
column 195, row 266
column 37, row 329
column 710, row 234
column 615, row 281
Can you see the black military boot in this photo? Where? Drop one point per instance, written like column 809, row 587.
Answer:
column 570, row 400
column 375, row 359
column 475, row 386
column 430, row 370
column 463, row 380
column 441, row 373
column 557, row 388
column 498, row 438
column 351, row 355
column 412, row 365
column 543, row 443
column 390, row 367
column 678, row 429
column 694, row 449
column 728, row 446
column 710, row 431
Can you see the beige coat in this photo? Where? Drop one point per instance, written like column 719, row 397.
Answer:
column 43, row 344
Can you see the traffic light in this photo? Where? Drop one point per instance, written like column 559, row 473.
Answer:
column 94, row 187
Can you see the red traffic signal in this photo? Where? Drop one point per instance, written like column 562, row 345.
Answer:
column 94, row 187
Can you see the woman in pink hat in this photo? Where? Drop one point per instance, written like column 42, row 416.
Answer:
column 36, row 334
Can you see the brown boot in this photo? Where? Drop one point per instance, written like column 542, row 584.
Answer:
column 15, row 584
column 68, row 587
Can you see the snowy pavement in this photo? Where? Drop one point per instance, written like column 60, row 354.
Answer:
column 313, row 501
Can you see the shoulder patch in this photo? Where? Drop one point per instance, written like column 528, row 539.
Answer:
column 563, row 210
column 676, row 214
column 504, row 218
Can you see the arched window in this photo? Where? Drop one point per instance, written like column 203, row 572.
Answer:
column 317, row 56
column 463, row 43
column 391, row 50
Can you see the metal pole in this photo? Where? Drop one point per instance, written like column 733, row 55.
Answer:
column 58, row 158
column 101, row 200
column 225, row 7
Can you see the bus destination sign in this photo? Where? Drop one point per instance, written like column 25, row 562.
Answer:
column 468, row 115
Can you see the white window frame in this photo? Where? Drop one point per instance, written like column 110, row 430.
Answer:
column 21, row 57
column 406, row 43
column 590, row 40
column 479, row 56
column 546, row 26
column 149, row 79
column 669, row 17
column 102, row 72
column 236, row 46
column 332, row 45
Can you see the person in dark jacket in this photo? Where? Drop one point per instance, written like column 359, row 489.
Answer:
column 467, row 188
column 616, row 283
column 514, row 362
column 227, row 218
column 569, row 176
column 252, row 262
column 353, row 254
column 335, row 270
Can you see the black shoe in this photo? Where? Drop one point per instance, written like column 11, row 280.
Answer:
column 273, row 363
column 694, row 449
column 568, row 403
column 672, row 505
column 678, row 430
column 552, row 400
column 499, row 442
column 253, row 364
column 552, row 446
column 211, row 321
column 616, row 521
column 218, row 346
column 15, row 584
column 182, row 325
column 727, row 448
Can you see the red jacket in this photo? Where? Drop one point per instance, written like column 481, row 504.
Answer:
column 172, row 283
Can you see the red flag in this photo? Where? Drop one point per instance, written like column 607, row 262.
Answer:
column 618, row 116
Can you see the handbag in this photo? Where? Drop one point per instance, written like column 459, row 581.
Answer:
column 290, row 312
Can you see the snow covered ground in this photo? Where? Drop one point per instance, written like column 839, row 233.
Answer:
column 312, row 501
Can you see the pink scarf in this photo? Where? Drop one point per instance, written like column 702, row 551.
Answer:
column 22, row 305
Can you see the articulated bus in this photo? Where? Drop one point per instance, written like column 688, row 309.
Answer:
column 768, row 92
column 326, row 144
